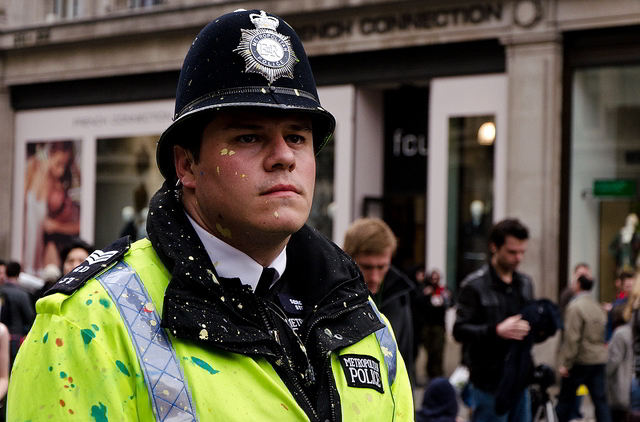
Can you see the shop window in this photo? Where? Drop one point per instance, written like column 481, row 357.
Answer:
column 470, row 193
column 322, row 210
column 605, row 172
column 405, row 171
column 67, row 9
column 144, row 3
column 126, row 178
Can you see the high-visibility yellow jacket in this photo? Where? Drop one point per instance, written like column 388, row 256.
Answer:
column 97, row 354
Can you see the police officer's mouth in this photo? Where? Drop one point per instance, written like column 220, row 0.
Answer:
column 282, row 189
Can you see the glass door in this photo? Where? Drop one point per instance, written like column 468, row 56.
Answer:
column 465, row 190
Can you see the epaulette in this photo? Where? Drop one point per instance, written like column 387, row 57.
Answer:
column 95, row 263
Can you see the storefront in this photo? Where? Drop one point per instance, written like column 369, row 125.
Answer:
column 602, row 149
column 449, row 117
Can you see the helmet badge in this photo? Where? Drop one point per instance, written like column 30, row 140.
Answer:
column 265, row 51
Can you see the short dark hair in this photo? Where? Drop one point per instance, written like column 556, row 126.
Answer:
column 585, row 283
column 13, row 269
column 74, row 243
column 627, row 274
column 508, row 227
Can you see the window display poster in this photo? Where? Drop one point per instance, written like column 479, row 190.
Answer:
column 51, row 201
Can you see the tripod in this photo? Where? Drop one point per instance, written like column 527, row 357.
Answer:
column 542, row 407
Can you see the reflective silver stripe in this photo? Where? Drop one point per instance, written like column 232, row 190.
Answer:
column 388, row 347
column 171, row 400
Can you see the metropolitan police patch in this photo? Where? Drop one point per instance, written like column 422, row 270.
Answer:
column 265, row 51
column 362, row 371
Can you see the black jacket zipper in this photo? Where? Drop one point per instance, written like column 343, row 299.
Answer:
column 290, row 372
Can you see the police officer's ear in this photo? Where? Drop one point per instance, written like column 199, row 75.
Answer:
column 183, row 161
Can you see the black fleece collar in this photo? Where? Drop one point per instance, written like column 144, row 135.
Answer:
column 199, row 305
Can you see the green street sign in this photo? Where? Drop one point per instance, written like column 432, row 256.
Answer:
column 615, row 187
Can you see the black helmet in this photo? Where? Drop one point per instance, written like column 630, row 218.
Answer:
column 243, row 59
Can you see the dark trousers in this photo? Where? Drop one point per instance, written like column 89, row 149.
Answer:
column 433, row 340
column 593, row 376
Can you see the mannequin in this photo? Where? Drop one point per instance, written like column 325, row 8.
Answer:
column 625, row 245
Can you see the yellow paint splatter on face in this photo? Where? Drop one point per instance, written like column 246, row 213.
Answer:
column 225, row 232
column 204, row 334
column 275, row 214
column 218, row 170
column 243, row 175
column 224, row 151
column 231, row 152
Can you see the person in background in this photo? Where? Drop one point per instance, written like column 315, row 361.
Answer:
column 619, row 368
column 440, row 402
column 372, row 244
column 627, row 280
column 583, row 353
column 71, row 255
column 5, row 339
column 17, row 309
column 632, row 313
column 249, row 313
column 433, row 303
column 566, row 296
column 488, row 320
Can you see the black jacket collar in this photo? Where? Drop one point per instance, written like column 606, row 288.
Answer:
column 201, row 306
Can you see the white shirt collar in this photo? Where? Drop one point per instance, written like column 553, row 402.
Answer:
column 229, row 262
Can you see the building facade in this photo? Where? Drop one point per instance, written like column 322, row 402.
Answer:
column 451, row 115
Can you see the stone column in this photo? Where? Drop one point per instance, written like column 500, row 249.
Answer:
column 6, row 165
column 534, row 68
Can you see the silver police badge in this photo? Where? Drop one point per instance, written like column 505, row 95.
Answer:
column 265, row 51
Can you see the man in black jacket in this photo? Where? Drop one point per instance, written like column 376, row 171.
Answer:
column 488, row 318
column 17, row 311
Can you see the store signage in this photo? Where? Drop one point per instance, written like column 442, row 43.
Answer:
column 615, row 187
column 473, row 14
column 408, row 144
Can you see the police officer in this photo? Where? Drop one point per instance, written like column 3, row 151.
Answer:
column 233, row 309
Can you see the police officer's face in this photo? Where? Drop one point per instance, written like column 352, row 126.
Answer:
column 255, row 176
column 374, row 268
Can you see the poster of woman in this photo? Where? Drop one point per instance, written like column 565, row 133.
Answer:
column 51, row 201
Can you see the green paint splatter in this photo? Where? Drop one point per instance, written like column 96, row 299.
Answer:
column 123, row 368
column 105, row 303
column 99, row 413
column 87, row 335
column 89, row 302
column 63, row 374
column 95, row 327
column 51, row 369
column 45, row 338
column 204, row 365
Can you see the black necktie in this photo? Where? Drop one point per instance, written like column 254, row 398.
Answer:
column 266, row 279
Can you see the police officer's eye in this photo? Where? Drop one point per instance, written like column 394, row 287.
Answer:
column 247, row 139
column 296, row 139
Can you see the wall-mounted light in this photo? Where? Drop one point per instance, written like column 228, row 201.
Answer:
column 487, row 133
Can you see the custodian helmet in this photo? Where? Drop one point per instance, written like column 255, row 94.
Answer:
column 243, row 59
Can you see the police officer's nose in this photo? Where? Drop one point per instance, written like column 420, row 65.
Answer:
column 280, row 155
